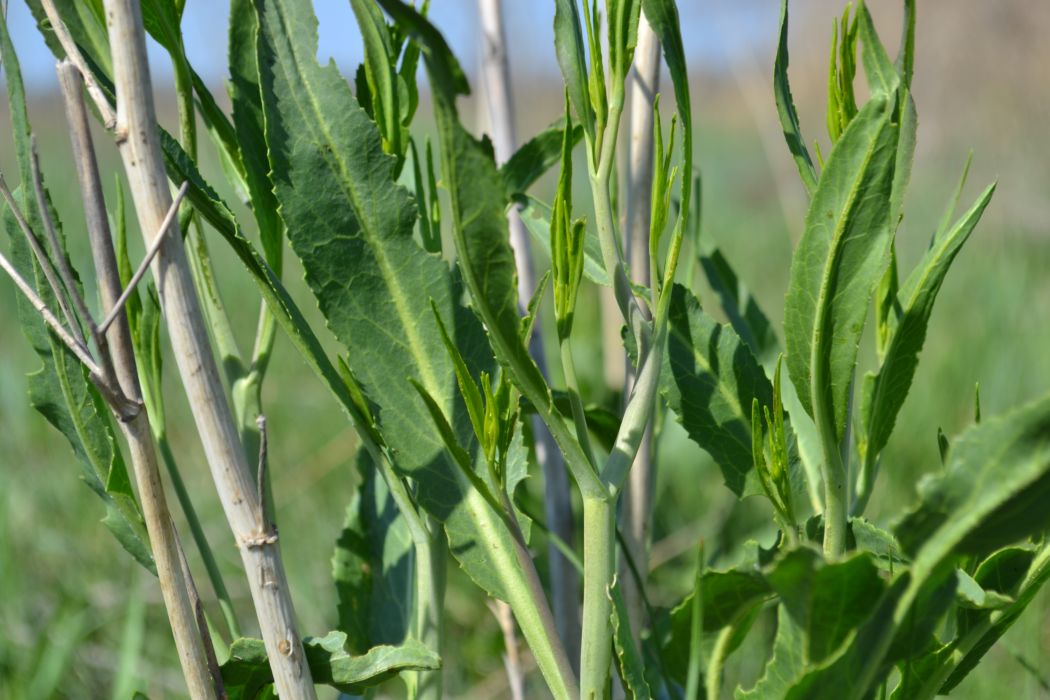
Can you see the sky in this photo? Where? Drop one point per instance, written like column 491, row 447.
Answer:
column 710, row 27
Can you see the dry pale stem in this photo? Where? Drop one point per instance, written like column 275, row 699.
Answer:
column 137, row 139
column 643, row 82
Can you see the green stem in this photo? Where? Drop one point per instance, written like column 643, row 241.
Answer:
column 836, row 479
column 599, row 566
column 197, row 531
column 835, row 501
column 713, row 682
column 572, row 386
column 430, row 577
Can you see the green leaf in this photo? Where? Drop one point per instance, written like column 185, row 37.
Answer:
column 991, row 494
column 381, row 73
column 568, row 43
column 662, row 16
column 246, row 674
column 739, row 306
column 727, row 598
column 536, row 217
column 916, row 298
column 249, row 128
column 629, row 661
column 373, row 566
column 786, row 108
column 905, row 63
column 880, row 544
column 786, row 664
column 536, row 156
column 827, row 601
column 1037, row 576
column 838, row 262
column 882, row 74
column 85, row 20
column 970, row 595
column 351, row 226
column 60, row 389
column 709, row 379
column 161, row 19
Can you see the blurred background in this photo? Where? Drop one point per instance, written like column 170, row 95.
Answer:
column 78, row 618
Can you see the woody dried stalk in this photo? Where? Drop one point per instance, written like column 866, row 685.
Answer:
column 137, row 140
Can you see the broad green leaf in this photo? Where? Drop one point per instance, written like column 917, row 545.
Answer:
column 373, row 566
column 838, row 262
column 568, row 43
column 786, row 108
column 727, row 598
column 784, row 666
column 1015, row 572
column 709, row 379
column 628, row 659
column 535, row 157
column 899, row 623
column 60, row 389
column 537, row 219
column 827, row 601
column 998, row 577
column 351, row 226
column 246, row 674
column 739, row 306
column 992, row 492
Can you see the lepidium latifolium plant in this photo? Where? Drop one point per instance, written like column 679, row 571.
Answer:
column 452, row 285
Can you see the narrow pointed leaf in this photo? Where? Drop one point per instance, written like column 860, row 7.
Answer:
column 535, row 157
column 882, row 74
column 786, row 108
column 568, row 43
column 537, row 219
column 249, row 129
column 916, row 298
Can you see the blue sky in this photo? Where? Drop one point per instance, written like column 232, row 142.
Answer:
column 709, row 27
